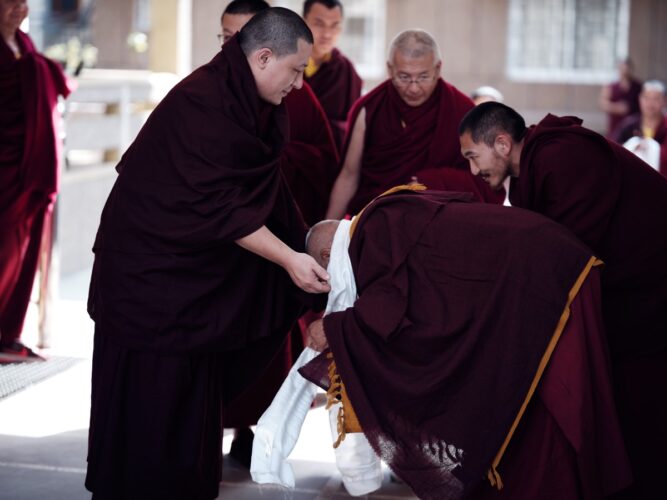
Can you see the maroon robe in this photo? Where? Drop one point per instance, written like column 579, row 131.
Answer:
column 310, row 158
column 310, row 166
column 629, row 96
column 617, row 205
column 632, row 126
column 471, row 295
column 337, row 86
column 173, row 296
column 29, row 154
column 403, row 141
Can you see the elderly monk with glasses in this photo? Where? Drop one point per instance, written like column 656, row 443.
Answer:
column 405, row 131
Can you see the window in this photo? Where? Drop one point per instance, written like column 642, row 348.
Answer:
column 577, row 41
column 363, row 37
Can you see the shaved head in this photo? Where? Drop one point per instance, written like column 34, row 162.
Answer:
column 278, row 29
column 319, row 241
column 414, row 44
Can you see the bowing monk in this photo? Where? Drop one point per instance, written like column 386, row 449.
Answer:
column 617, row 205
column 196, row 257
column 29, row 156
column 405, row 130
column 309, row 163
column 474, row 348
column 330, row 74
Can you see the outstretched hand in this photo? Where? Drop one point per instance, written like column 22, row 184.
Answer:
column 307, row 274
column 317, row 339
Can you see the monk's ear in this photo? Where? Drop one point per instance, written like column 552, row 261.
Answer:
column 438, row 68
column 503, row 144
column 325, row 254
column 262, row 57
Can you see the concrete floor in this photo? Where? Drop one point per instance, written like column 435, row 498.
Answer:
column 43, row 428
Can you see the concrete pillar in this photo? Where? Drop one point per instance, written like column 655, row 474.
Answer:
column 170, row 41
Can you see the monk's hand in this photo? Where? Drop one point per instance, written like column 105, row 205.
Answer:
column 307, row 274
column 317, row 339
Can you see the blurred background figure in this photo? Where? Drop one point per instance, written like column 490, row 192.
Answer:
column 645, row 133
column 486, row 94
column 620, row 98
column 29, row 151
column 330, row 74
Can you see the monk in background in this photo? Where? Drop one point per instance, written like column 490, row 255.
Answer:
column 310, row 164
column 617, row 205
column 405, row 130
column 330, row 74
column 29, row 171
column 649, row 123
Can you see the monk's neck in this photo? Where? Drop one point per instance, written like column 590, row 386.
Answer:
column 515, row 158
column 318, row 59
column 652, row 121
column 9, row 36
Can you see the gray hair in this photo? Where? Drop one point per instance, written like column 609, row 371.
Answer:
column 655, row 86
column 414, row 44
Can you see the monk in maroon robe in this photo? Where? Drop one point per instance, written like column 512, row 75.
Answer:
column 29, row 154
column 330, row 74
column 616, row 204
column 476, row 327
column 198, row 248
column 309, row 164
column 405, row 130
column 650, row 122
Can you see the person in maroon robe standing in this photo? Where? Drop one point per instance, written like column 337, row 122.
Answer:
column 196, row 257
column 617, row 205
column 620, row 99
column 309, row 163
column 330, row 74
column 405, row 130
column 475, row 348
column 29, row 152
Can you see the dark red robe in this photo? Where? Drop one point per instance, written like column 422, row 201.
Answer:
column 629, row 96
column 176, row 302
column 617, row 205
column 29, row 154
column 458, row 305
column 337, row 86
column 310, row 166
column 403, row 141
column 310, row 158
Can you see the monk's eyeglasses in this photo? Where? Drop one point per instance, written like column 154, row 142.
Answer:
column 406, row 81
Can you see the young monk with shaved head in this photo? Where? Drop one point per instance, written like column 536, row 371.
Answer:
column 197, row 262
column 330, row 74
column 616, row 204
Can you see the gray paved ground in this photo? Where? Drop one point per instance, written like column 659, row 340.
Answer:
column 43, row 429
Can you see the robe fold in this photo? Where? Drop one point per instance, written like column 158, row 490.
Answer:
column 203, row 172
column 617, row 205
column 29, row 173
column 310, row 158
column 459, row 305
column 403, row 141
column 337, row 86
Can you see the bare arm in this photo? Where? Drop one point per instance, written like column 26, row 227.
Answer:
column 348, row 180
column 302, row 268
